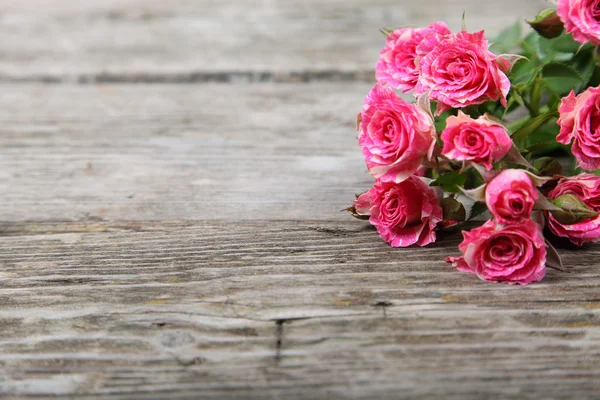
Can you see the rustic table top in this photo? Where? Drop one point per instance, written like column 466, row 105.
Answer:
column 171, row 175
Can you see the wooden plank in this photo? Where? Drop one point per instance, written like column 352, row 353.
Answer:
column 249, row 283
column 179, row 152
column 264, row 309
column 216, row 40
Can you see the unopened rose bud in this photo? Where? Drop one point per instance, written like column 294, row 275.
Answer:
column 547, row 24
column 573, row 209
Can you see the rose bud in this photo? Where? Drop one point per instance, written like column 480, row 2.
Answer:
column 572, row 209
column 547, row 24
column 460, row 71
column 396, row 66
column 510, row 196
column 580, row 122
column 482, row 140
column 395, row 136
column 514, row 254
column 587, row 189
column 404, row 213
column 580, row 18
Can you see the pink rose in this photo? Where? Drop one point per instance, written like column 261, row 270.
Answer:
column 395, row 136
column 581, row 19
column 482, row 140
column 512, row 254
column 580, row 121
column 510, row 196
column 460, row 71
column 587, row 188
column 396, row 65
column 404, row 213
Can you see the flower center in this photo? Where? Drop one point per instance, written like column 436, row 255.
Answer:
column 471, row 141
column 596, row 10
column 504, row 252
column 595, row 122
column 516, row 205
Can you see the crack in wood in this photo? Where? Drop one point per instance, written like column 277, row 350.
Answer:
column 279, row 338
column 383, row 304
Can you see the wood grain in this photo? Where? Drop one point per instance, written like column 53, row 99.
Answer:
column 216, row 40
column 179, row 152
column 265, row 309
column 185, row 241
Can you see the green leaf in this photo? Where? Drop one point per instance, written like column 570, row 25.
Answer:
column 530, row 46
column 508, row 39
column 521, row 135
column 548, row 166
column 477, row 209
column 450, row 181
column 546, row 135
column 566, row 44
column 547, row 51
column 440, row 121
column 584, row 63
column 561, row 78
column 595, row 79
column 517, row 98
column 523, row 74
column 553, row 259
column 453, row 209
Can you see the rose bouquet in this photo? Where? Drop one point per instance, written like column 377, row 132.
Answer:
column 508, row 130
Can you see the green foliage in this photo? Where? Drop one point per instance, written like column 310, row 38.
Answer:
column 450, row 181
column 453, row 209
column 547, row 65
column 523, row 74
column 565, row 44
column 561, row 78
column 508, row 40
column 521, row 136
column 584, row 62
column 547, row 166
column 477, row 209
column 440, row 121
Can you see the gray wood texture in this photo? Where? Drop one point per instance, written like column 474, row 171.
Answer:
column 216, row 40
column 268, row 309
column 157, row 152
column 174, row 240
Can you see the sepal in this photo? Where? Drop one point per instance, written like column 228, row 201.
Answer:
column 355, row 214
column 572, row 209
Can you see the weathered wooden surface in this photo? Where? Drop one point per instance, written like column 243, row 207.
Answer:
column 269, row 309
column 185, row 241
column 216, row 40
column 180, row 151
